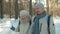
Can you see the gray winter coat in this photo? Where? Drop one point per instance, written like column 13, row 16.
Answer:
column 44, row 28
column 22, row 28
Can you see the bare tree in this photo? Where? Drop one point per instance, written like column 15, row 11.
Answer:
column 47, row 3
column 30, row 7
column 57, row 3
column 10, row 7
column 21, row 3
column 1, row 9
column 16, row 9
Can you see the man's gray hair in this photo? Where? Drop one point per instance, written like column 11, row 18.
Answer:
column 40, row 5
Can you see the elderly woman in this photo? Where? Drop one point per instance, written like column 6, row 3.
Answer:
column 24, row 23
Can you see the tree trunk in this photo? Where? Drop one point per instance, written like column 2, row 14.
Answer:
column 21, row 4
column 47, row 3
column 1, row 9
column 16, row 9
column 31, row 7
column 57, row 3
column 10, row 8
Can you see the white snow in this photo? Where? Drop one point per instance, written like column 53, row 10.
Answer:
column 5, row 25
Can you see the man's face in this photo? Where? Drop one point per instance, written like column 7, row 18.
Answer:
column 39, row 10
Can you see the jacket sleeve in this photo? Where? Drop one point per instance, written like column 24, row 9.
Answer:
column 17, row 29
column 52, row 26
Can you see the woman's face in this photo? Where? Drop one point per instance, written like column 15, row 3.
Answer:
column 23, row 17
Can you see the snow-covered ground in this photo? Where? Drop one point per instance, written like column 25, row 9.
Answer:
column 57, row 24
column 6, row 23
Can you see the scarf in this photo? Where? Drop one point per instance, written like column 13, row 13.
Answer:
column 36, row 22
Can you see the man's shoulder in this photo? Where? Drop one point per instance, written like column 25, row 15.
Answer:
column 50, row 16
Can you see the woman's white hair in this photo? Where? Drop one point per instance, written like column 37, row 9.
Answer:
column 24, row 12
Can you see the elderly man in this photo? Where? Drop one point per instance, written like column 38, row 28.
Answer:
column 42, row 23
column 24, row 23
